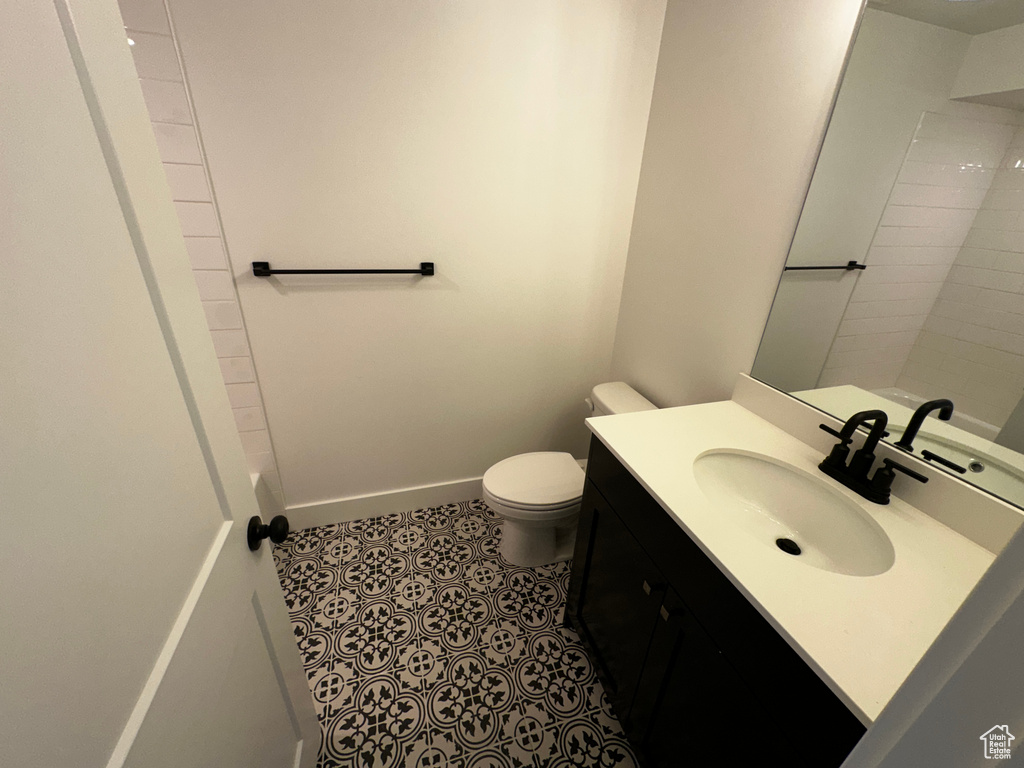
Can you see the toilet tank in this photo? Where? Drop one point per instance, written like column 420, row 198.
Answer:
column 617, row 397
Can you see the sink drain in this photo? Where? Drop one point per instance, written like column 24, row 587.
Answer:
column 788, row 546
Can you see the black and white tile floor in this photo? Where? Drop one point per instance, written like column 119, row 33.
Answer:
column 424, row 647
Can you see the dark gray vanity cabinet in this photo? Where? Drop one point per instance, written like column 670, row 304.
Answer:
column 694, row 672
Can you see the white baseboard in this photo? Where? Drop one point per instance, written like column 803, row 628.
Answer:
column 377, row 504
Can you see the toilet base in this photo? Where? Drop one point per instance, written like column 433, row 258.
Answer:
column 530, row 546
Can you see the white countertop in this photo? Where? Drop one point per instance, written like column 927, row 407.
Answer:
column 861, row 634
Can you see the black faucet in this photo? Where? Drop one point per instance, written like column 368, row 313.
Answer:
column 945, row 409
column 855, row 475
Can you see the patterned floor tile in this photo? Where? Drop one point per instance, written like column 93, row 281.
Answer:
column 424, row 648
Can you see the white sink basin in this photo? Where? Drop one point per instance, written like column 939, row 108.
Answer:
column 771, row 500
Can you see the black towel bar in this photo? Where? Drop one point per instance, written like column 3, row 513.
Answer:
column 262, row 269
column 849, row 267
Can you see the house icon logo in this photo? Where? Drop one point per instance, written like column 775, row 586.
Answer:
column 997, row 742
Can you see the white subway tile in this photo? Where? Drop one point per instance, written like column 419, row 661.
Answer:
column 991, row 357
column 989, row 337
column 1009, row 261
column 1013, row 162
column 255, row 442
column 222, row 315
column 926, row 389
column 880, row 325
column 206, row 252
column 866, row 377
column 155, row 57
column 964, row 294
column 941, row 343
column 944, row 379
column 197, row 219
column 1000, row 394
column 236, row 370
column 166, row 102
column 215, row 286
column 1001, row 301
column 950, row 309
column 958, row 365
column 1004, row 200
column 888, row 308
column 861, row 357
column 980, row 258
column 987, row 278
column 936, row 197
column 244, row 395
column 946, row 237
column 943, row 326
column 261, row 463
column 963, row 129
column 888, row 255
column 996, row 240
column 874, row 341
column 949, row 175
column 927, row 356
column 893, row 291
column 991, row 219
column 993, row 318
column 144, row 15
column 920, row 216
column 273, row 482
column 231, row 343
column 249, row 419
column 177, row 143
column 1009, row 178
column 187, row 182
column 930, row 273
column 961, row 153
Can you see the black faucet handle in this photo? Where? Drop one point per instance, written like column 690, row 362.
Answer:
column 929, row 456
column 835, row 433
column 891, row 465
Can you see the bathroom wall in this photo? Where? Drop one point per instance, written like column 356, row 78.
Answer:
column 156, row 61
column 972, row 345
column 942, row 182
column 501, row 141
column 741, row 98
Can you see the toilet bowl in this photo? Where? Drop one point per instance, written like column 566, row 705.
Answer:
column 537, row 495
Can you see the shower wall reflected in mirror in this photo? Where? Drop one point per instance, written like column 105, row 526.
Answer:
column 920, row 179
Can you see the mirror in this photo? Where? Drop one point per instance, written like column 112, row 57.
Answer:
column 905, row 279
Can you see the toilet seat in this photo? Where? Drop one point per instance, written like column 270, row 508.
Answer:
column 546, row 481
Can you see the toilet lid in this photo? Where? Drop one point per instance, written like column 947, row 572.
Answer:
column 542, row 479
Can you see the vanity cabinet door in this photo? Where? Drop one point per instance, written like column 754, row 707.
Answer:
column 689, row 696
column 614, row 601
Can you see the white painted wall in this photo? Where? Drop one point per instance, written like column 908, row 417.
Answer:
column 993, row 69
column 740, row 102
column 501, row 141
column 899, row 68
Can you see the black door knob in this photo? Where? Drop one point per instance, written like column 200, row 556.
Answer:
column 257, row 532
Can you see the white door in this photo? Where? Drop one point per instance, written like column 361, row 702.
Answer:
column 136, row 627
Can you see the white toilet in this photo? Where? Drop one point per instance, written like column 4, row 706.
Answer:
column 537, row 495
